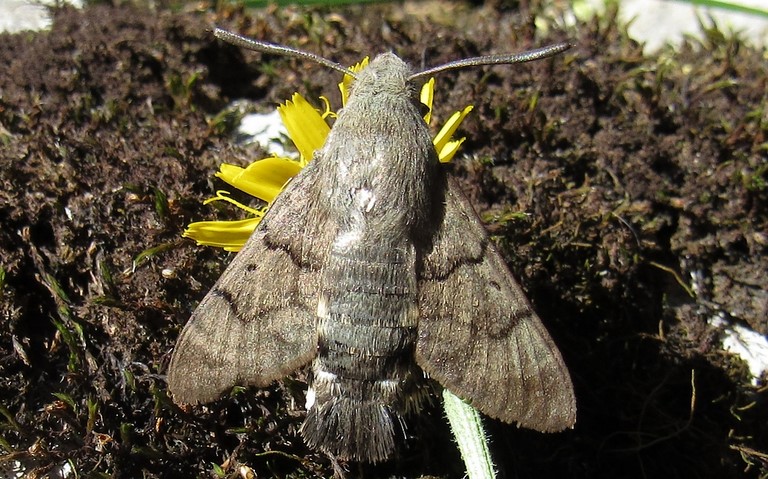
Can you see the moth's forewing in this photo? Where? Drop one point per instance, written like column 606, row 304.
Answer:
column 478, row 335
column 257, row 324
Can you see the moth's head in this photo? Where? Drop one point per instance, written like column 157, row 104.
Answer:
column 387, row 74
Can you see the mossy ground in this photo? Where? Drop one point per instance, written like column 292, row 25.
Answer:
column 643, row 182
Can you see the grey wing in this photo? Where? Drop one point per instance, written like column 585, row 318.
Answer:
column 257, row 323
column 478, row 335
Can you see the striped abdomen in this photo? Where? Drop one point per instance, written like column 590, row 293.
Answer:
column 364, row 377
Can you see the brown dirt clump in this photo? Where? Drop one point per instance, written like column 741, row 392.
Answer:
column 628, row 194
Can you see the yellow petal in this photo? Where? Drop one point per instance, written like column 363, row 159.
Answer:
column 230, row 235
column 444, row 135
column 427, row 97
column 449, row 150
column 305, row 125
column 263, row 179
column 347, row 80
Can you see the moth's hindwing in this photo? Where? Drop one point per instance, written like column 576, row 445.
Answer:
column 257, row 324
column 478, row 335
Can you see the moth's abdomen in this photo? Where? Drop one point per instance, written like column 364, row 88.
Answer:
column 364, row 377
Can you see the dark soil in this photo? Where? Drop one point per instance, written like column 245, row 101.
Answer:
column 643, row 182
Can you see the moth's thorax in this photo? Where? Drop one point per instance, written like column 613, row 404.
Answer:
column 379, row 154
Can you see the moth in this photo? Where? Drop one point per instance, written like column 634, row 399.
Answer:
column 372, row 266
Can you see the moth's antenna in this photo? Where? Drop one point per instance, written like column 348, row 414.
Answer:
column 266, row 47
column 503, row 59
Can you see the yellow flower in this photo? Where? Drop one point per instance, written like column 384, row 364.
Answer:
column 307, row 128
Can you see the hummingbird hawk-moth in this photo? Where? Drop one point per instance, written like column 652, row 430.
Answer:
column 372, row 266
